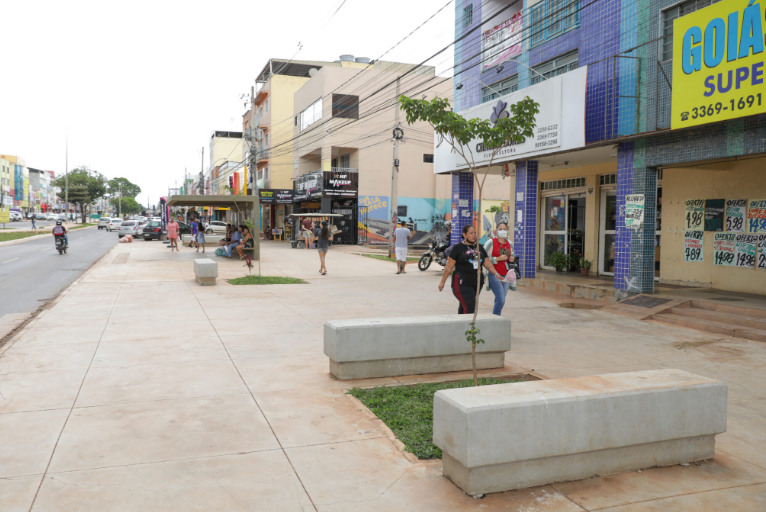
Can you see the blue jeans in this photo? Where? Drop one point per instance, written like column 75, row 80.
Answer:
column 230, row 248
column 500, row 290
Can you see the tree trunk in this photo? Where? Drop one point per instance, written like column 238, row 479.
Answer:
column 473, row 363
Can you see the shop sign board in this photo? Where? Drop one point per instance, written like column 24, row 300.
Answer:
column 762, row 251
column 693, row 246
column 746, row 245
column 756, row 216
column 308, row 186
column 718, row 63
column 276, row 196
column 715, row 210
column 634, row 210
column 501, row 42
column 559, row 124
column 724, row 248
column 695, row 214
column 736, row 209
column 341, row 183
column 5, row 215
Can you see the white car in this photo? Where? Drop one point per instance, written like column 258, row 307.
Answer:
column 52, row 217
column 103, row 223
column 114, row 224
column 16, row 216
column 217, row 227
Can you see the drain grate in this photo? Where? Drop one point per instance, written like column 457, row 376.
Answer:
column 727, row 299
column 645, row 301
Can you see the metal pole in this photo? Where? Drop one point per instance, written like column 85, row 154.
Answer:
column 66, row 180
column 256, row 193
column 394, row 202
column 120, row 203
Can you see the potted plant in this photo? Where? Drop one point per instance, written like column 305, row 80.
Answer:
column 559, row 260
column 585, row 266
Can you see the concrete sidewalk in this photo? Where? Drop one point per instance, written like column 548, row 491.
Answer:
column 140, row 390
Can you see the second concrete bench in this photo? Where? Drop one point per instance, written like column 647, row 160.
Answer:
column 388, row 347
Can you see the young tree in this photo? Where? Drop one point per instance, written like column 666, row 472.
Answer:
column 128, row 206
column 505, row 128
column 85, row 186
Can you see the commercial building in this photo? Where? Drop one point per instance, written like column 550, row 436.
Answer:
column 649, row 150
column 342, row 146
column 18, row 177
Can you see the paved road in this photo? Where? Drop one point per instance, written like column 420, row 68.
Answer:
column 33, row 271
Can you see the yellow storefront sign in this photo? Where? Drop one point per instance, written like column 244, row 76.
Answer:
column 718, row 63
column 5, row 215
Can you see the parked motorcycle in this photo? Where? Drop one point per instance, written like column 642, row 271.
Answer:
column 435, row 252
column 60, row 244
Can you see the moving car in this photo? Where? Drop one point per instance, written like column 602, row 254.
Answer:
column 52, row 216
column 217, row 227
column 103, row 223
column 152, row 230
column 113, row 224
column 16, row 216
column 40, row 216
column 129, row 227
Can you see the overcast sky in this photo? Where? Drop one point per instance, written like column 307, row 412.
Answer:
column 138, row 87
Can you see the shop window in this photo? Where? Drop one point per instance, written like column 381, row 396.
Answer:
column 428, row 159
column 549, row 19
column 556, row 67
column 507, row 86
column 467, row 16
column 561, row 184
column 345, row 106
column 668, row 15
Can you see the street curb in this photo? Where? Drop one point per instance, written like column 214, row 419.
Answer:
column 36, row 237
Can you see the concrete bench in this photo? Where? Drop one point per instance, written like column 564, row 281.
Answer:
column 387, row 347
column 205, row 271
column 512, row 436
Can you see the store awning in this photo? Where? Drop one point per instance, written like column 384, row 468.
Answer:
column 231, row 202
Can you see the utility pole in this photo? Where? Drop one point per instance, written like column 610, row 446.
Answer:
column 120, row 203
column 202, row 172
column 66, row 180
column 253, row 173
column 394, row 202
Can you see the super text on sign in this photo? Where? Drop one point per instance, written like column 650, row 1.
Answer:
column 718, row 63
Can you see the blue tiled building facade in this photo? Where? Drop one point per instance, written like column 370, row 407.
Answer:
column 628, row 105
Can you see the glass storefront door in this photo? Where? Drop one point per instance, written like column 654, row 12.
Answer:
column 607, row 232
column 554, row 228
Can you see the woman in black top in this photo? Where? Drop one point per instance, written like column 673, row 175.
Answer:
column 465, row 257
column 323, row 238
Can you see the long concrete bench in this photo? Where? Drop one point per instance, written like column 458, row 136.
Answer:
column 512, row 436
column 205, row 271
column 388, row 347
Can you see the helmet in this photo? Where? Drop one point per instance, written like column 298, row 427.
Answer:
column 58, row 222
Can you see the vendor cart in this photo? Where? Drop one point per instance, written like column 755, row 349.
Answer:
column 296, row 221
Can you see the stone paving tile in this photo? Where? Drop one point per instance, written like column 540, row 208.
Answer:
column 248, row 346
column 36, row 391
column 26, row 358
column 28, row 439
column 745, row 436
column 254, row 481
column 160, row 431
column 175, row 350
column 722, row 472
column 751, row 498
column 16, row 494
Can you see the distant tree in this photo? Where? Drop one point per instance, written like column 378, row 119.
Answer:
column 128, row 189
column 129, row 205
column 84, row 187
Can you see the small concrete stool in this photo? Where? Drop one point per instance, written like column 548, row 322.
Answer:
column 205, row 270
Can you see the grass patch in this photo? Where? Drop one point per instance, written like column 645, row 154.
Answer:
column 17, row 235
column 79, row 226
column 409, row 411
column 266, row 280
column 386, row 258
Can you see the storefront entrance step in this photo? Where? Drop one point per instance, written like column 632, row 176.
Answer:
column 600, row 292
column 727, row 308
column 706, row 325
column 737, row 320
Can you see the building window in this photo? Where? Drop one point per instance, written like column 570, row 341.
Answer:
column 312, row 114
column 551, row 18
column 507, row 86
column 266, row 106
column 296, row 120
column 559, row 184
column 345, row 106
column 345, row 161
column 671, row 14
column 467, row 16
column 556, row 67
column 607, row 179
column 428, row 159
column 266, row 140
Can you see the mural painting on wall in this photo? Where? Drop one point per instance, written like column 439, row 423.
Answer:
column 425, row 217
column 492, row 213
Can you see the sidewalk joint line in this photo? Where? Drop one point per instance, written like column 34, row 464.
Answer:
column 678, row 495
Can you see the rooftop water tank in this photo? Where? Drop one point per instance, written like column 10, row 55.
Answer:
column 347, row 58
column 363, row 60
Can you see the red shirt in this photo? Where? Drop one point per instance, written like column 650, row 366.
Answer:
column 496, row 246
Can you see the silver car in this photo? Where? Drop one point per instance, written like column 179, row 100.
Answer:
column 113, row 224
column 130, row 227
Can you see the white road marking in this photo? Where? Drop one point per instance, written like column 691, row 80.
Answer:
column 46, row 249
column 14, row 259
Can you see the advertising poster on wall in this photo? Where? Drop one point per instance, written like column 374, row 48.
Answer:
column 762, row 251
column 746, row 245
column 756, row 216
column 501, row 42
column 695, row 214
column 736, row 210
column 634, row 210
column 715, row 210
column 425, row 217
column 724, row 249
column 693, row 246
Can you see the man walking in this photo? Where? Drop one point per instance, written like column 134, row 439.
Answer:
column 307, row 232
column 194, row 226
column 402, row 235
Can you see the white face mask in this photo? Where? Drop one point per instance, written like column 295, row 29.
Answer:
column 502, row 233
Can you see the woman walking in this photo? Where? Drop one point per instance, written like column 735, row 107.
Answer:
column 500, row 252
column 465, row 257
column 201, row 236
column 247, row 241
column 323, row 238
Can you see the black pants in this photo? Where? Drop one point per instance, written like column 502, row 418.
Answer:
column 465, row 295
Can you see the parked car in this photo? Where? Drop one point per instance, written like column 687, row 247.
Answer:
column 152, row 230
column 40, row 216
column 129, row 227
column 52, row 217
column 16, row 216
column 103, row 223
column 217, row 227
column 114, row 224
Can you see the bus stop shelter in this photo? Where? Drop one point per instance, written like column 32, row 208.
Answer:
column 241, row 208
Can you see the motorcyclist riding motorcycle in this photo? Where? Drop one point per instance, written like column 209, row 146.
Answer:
column 60, row 230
